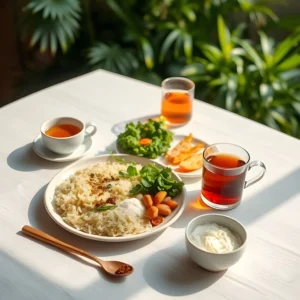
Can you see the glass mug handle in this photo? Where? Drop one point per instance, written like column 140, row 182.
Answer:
column 94, row 130
column 256, row 163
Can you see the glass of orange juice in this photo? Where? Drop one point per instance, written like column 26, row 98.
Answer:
column 177, row 100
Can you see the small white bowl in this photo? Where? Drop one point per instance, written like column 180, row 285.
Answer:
column 215, row 262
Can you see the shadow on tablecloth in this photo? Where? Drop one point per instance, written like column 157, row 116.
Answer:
column 194, row 207
column 24, row 159
column 39, row 218
column 251, row 208
column 268, row 198
column 177, row 276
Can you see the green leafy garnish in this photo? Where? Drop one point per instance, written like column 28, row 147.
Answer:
column 131, row 171
column 105, row 207
column 161, row 139
column 153, row 180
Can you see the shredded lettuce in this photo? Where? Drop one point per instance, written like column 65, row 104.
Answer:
column 154, row 130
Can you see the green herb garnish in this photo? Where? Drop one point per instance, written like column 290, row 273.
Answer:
column 131, row 171
column 153, row 180
column 161, row 139
column 105, row 207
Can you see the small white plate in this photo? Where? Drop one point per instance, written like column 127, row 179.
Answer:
column 176, row 139
column 88, row 162
column 40, row 149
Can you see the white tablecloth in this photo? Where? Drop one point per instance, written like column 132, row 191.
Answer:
column 270, row 209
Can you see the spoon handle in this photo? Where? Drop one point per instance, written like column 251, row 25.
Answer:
column 46, row 238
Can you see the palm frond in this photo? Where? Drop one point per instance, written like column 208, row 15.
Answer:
column 112, row 58
column 52, row 23
column 56, row 9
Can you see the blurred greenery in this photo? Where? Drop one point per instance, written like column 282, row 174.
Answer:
column 225, row 46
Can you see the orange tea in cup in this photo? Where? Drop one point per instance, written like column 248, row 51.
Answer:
column 63, row 130
column 177, row 107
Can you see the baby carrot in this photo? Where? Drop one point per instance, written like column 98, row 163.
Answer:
column 145, row 142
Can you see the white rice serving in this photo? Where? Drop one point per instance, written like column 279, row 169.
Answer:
column 78, row 197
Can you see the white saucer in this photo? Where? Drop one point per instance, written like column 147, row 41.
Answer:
column 42, row 151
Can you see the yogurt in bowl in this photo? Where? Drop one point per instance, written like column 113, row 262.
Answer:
column 215, row 242
column 214, row 238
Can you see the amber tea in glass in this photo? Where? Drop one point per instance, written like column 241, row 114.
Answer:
column 177, row 100
column 224, row 175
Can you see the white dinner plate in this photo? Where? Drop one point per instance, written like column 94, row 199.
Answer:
column 176, row 139
column 84, row 163
column 40, row 149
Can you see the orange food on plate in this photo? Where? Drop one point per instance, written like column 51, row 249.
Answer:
column 159, row 197
column 183, row 146
column 185, row 155
column 145, row 142
column 157, row 221
column 152, row 212
column 163, row 209
column 147, row 200
column 158, row 206
column 171, row 203
column 193, row 163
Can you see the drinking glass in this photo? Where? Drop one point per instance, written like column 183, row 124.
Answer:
column 224, row 171
column 177, row 100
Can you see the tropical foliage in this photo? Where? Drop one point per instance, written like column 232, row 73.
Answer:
column 260, row 84
column 223, row 45
column 52, row 23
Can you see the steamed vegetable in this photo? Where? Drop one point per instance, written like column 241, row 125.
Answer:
column 149, row 140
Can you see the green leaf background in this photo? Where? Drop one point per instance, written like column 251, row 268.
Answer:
column 225, row 46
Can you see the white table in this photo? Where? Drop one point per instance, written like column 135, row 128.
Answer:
column 270, row 209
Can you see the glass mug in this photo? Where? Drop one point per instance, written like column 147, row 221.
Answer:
column 224, row 172
column 177, row 100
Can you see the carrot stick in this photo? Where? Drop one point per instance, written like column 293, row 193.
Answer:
column 145, row 142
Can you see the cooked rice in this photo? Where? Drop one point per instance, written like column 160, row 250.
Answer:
column 77, row 197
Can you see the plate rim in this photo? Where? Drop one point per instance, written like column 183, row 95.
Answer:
column 62, row 159
column 58, row 220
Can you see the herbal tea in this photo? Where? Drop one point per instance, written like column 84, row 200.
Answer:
column 177, row 107
column 62, row 130
column 217, row 186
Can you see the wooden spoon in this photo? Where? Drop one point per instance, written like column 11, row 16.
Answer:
column 115, row 268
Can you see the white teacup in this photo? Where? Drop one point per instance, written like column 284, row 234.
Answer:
column 66, row 145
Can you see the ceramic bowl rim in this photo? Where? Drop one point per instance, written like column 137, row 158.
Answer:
column 212, row 253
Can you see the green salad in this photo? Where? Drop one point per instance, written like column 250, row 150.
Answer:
column 153, row 180
column 149, row 140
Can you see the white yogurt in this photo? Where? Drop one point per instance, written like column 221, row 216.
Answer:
column 214, row 238
column 133, row 205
